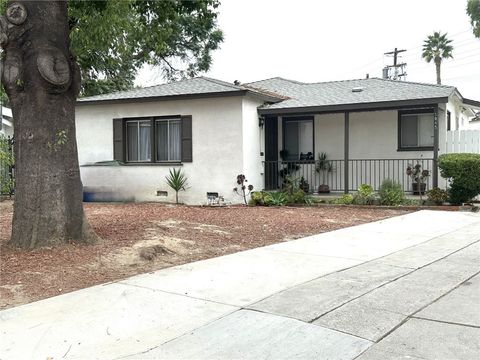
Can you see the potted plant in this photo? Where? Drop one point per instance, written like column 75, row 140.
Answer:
column 323, row 167
column 284, row 154
column 288, row 167
column 418, row 176
column 304, row 185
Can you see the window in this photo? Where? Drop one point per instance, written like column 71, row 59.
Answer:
column 449, row 121
column 139, row 141
column 168, row 139
column 298, row 138
column 416, row 130
column 153, row 140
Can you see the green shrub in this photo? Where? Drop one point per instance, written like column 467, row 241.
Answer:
column 346, row 199
column 296, row 197
column 277, row 198
column 365, row 195
column 391, row 193
column 460, row 195
column 464, row 172
column 437, row 196
column 259, row 198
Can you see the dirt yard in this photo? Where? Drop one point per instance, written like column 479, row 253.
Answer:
column 140, row 238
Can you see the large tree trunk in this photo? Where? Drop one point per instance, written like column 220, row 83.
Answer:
column 438, row 63
column 42, row 82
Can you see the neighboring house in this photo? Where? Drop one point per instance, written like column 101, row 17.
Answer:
column 474, row 122
column 461, row 115
column 6, row 121
column 371, row 129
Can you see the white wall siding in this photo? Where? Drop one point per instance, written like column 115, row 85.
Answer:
column 252, row 140
column 217, row 149
column 329, row 135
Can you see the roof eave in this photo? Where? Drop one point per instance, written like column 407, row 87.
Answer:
column 163, row 98
column 473, row 103
column 371, row 106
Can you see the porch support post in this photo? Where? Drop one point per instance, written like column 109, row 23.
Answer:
column 435, row 146
column 346, row 150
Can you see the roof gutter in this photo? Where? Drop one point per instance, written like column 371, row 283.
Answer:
column 373, row 106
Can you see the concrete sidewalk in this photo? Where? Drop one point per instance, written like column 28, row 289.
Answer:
column 401, row 288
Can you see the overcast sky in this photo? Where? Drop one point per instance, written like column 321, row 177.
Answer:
column 318, row 40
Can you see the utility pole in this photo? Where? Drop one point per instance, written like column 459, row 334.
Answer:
column 395, row 71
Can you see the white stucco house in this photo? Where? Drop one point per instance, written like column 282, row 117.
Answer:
column 370, row 129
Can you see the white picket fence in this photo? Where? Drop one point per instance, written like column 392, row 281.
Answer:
column 463, row 141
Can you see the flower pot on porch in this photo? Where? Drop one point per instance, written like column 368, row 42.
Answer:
column 323, row 189
column 304, row 185
column 417, row 191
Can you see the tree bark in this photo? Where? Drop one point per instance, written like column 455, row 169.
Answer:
column 438, row 63
column 42, row 81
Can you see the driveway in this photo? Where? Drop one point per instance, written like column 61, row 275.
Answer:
column 402, row 288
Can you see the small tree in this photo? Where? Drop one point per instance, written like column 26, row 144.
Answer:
column 418, row 177
column 473, row 10
column 177, row 180
column 241, row 189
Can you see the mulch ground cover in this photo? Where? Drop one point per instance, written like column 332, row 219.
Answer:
column 138, row 238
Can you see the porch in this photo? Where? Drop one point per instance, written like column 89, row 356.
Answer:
column 360, row 147
column 346, row 178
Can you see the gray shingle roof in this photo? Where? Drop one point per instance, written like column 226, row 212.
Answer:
column 194, row 86
column 337, row 93
column 288, row 94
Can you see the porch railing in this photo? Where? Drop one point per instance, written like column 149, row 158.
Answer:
column 360, row 171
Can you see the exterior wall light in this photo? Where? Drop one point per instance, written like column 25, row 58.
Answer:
column 261, row 121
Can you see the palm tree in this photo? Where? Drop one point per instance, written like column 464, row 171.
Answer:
column 437, row 47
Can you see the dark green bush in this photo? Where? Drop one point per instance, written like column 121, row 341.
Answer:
column 391, row 193
column 464, row 172
column 438, row 196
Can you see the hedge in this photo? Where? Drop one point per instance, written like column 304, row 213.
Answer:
column 464, row 172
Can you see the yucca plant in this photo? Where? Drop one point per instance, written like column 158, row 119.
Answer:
column 277, row 198
column 177, row 180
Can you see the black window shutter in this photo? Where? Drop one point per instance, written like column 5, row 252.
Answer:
column 187, row 138
column 118, row 140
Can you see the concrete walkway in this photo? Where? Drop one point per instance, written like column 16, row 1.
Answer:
column 402, row 288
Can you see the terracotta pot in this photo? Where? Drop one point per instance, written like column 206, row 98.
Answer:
column 415, row 189
column 323, row 189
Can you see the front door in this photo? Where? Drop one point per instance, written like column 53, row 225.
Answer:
column 271, row 153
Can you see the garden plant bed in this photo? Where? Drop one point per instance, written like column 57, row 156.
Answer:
column 138, row 238
column 402, row 207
